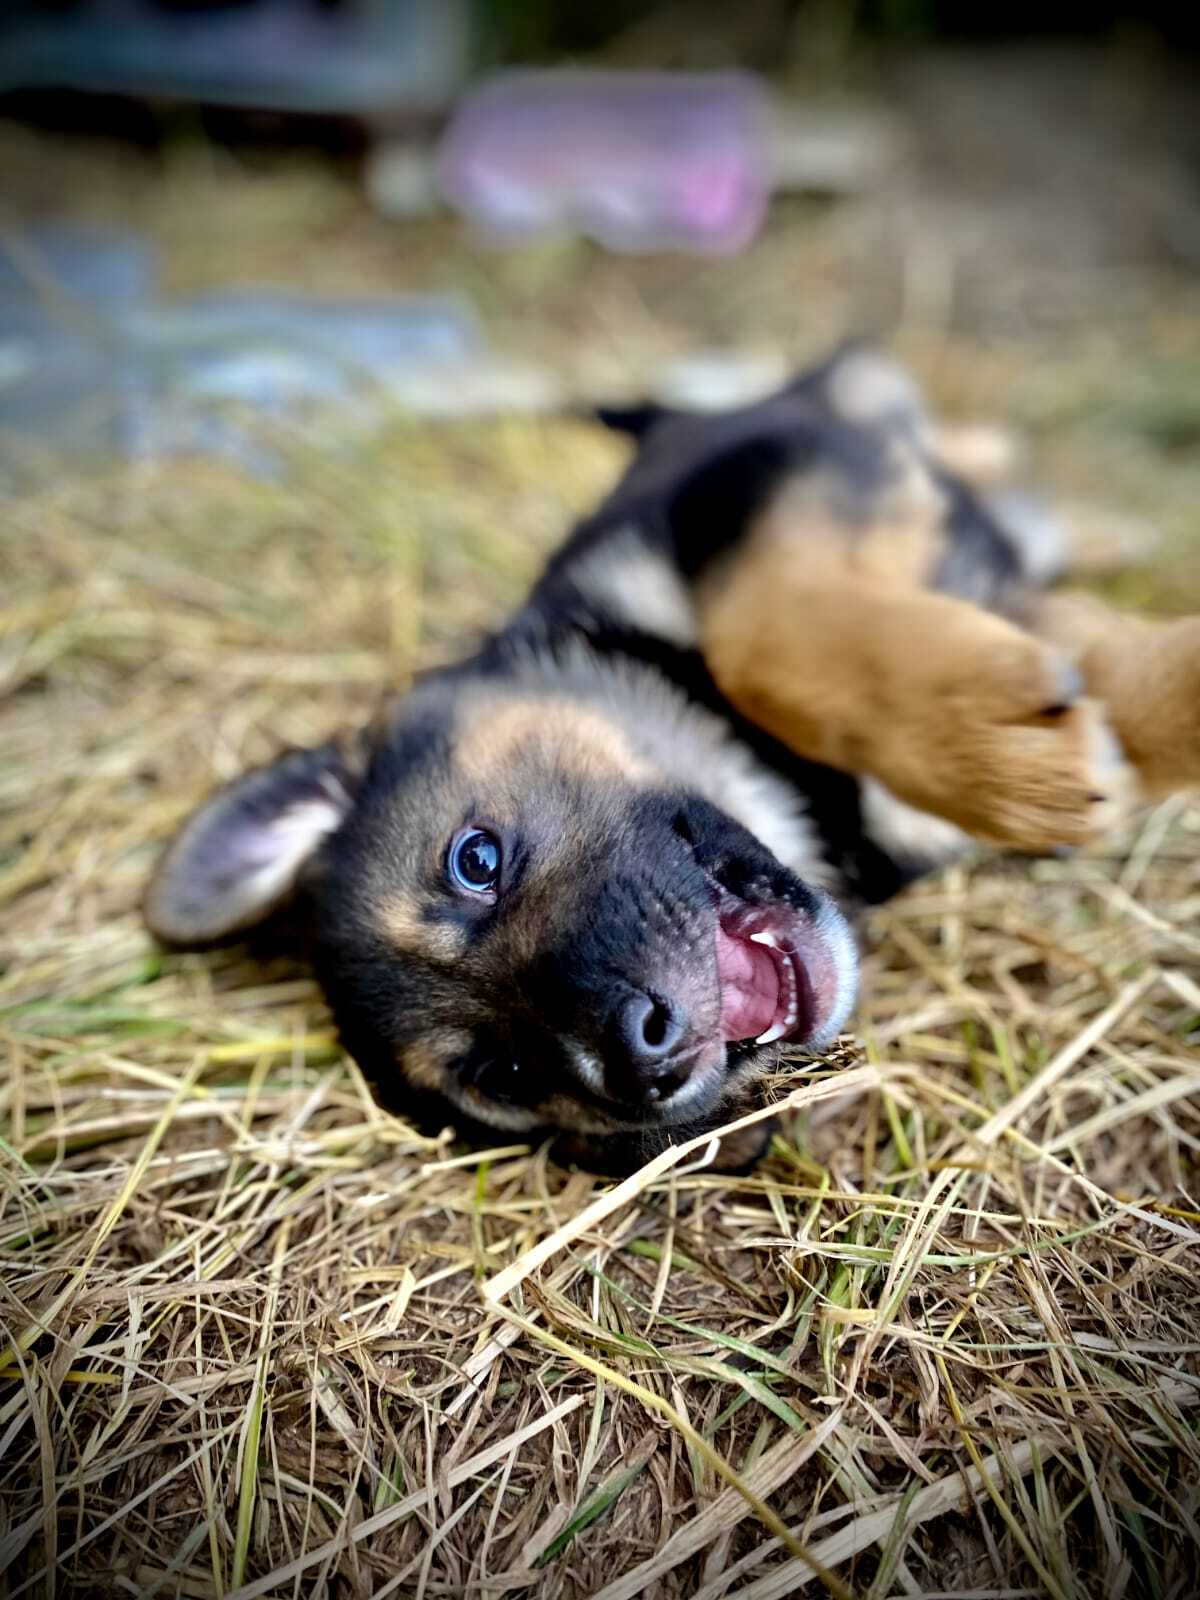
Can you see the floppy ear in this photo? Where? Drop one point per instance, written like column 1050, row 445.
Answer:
column 239, row 857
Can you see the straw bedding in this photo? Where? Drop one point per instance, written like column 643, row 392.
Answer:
column 260, row 1339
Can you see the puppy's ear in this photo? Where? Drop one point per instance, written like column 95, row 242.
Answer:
column 239, row 857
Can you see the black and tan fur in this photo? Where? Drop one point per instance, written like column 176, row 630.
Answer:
column 792, row 662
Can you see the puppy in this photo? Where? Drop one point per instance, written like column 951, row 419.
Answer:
column 590, row 879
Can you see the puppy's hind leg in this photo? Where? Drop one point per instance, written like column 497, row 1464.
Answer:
column 1146, row 673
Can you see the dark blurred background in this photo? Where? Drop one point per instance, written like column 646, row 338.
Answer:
column 216, row 218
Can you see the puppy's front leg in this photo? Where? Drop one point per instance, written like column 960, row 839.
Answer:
column 956, row 711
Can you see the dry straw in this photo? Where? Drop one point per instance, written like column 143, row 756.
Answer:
column 260, row 1339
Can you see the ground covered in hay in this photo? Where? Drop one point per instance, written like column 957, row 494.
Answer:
column 261, row 1339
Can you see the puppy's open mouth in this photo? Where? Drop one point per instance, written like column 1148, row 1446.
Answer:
column 783, row 974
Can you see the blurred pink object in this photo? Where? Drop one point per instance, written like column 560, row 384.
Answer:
column 636, row 160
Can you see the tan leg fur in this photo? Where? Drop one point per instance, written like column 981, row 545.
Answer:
column 955, row 711
column 824, row 636
column 1146, row 672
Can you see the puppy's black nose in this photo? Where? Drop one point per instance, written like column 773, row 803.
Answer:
column 647, row 1031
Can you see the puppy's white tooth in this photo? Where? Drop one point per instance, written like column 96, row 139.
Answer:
column 775, row 1031
column 765, row 937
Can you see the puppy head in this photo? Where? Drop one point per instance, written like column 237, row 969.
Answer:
column 518, row 912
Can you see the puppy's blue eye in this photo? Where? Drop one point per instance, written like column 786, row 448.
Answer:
column 502, row 1080
column 473, row 861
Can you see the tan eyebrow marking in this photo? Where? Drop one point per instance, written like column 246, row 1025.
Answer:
column 400, row 918
column 574, row 738
column 425, row 1062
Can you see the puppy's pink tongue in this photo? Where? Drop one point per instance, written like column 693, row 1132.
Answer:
column 749, row 987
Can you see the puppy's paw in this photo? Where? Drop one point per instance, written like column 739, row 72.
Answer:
column 1016, row 756
column 1056, row 779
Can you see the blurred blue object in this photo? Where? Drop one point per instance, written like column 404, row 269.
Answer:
column 270, row 350
column 62, row 294
column 363, row 57
column 57, row 262
column 90, row 359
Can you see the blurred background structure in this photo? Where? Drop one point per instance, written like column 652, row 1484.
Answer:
column 262, row 206
column 301, row 304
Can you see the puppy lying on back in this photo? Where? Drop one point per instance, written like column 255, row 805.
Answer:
column 590, row 879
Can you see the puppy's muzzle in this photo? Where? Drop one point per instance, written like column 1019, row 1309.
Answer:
column 647, row 1062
